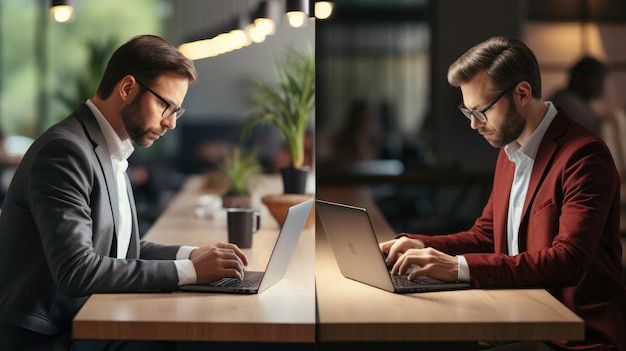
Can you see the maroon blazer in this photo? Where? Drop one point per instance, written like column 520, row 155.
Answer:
column 568, row 237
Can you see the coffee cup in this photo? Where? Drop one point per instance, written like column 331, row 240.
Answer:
column 242, row 223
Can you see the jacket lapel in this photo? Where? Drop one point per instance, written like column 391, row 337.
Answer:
column 502, row 182
column 133, row 247
column 545, row 154
column 104, row 159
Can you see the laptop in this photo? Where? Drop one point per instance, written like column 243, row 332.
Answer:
column 354, row 244
column 255, row 282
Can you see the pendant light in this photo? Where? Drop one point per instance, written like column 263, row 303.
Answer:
column 297, row 12
column 62, row 11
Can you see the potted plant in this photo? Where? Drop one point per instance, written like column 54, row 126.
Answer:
column 240, row 170
column 89, row 78
column 288, row 104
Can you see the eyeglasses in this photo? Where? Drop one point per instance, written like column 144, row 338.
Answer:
column 480, row 114
column 177, row 110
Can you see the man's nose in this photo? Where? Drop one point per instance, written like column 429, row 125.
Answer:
column 475, row 123
column 169, row 122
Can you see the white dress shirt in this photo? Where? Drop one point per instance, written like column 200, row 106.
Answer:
column 120, row 152
column 524, row 158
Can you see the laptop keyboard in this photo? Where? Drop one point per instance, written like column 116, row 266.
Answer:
column 402, row 281
column 247, row 282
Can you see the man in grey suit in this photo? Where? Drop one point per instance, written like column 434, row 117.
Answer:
column 68, row 226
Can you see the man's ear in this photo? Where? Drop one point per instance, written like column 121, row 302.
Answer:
column 523, row 93
column 125, row 87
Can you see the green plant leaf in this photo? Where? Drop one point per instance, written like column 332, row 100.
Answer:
column 241, row 169
column 288, row 103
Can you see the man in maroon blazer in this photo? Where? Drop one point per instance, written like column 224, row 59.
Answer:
column 552, row 219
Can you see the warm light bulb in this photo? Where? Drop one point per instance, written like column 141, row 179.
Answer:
column 63, row 13
column 265, row 25
column 256, row 35
column 296, row 18
column 238, row 38
column 222, row 44
column 197, row 50
column 323, row 9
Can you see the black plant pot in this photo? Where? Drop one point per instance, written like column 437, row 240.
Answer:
column 294, row 179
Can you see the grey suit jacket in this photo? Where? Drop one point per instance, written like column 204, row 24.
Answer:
column 58, row 232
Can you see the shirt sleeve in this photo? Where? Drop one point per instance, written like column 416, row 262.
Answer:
column 186, row 271
column 463, row 275
column 184, row 252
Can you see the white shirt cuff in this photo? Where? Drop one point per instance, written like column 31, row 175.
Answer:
column 186, row 272
column 464, row 274
column 184, row 252
column 185, row 268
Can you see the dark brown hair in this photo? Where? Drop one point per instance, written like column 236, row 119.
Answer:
column 506, row 61
column 146, row 57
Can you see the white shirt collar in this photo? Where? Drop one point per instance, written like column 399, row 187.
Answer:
column 531, row 147
column 119, row 149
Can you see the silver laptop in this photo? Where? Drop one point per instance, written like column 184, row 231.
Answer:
column 255, row 282
column 353, row 240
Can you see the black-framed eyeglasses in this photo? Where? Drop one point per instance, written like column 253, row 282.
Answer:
column 480, row 114
column 170, row 109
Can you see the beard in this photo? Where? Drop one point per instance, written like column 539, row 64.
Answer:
column 133, row 119
column 510, row 130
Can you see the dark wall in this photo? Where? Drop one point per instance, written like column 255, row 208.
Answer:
column 458, row 25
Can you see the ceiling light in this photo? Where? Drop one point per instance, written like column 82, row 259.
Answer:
column 62, row 11
column 297, row 12
column 323, row 9
column 266, row 16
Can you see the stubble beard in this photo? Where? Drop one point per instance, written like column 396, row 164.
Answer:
column 133, row 119
column 511, row 129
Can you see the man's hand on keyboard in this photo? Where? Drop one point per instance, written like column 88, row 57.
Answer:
column 216, row 262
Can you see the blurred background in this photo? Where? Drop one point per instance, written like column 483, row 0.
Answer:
column 47, row 68
column 385, row 117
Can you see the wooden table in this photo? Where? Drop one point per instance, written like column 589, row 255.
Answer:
column 283, row 313
column 349, row 311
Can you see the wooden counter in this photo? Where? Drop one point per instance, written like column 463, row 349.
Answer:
column 285, row 312
column 347, row 311
column 352, row 311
